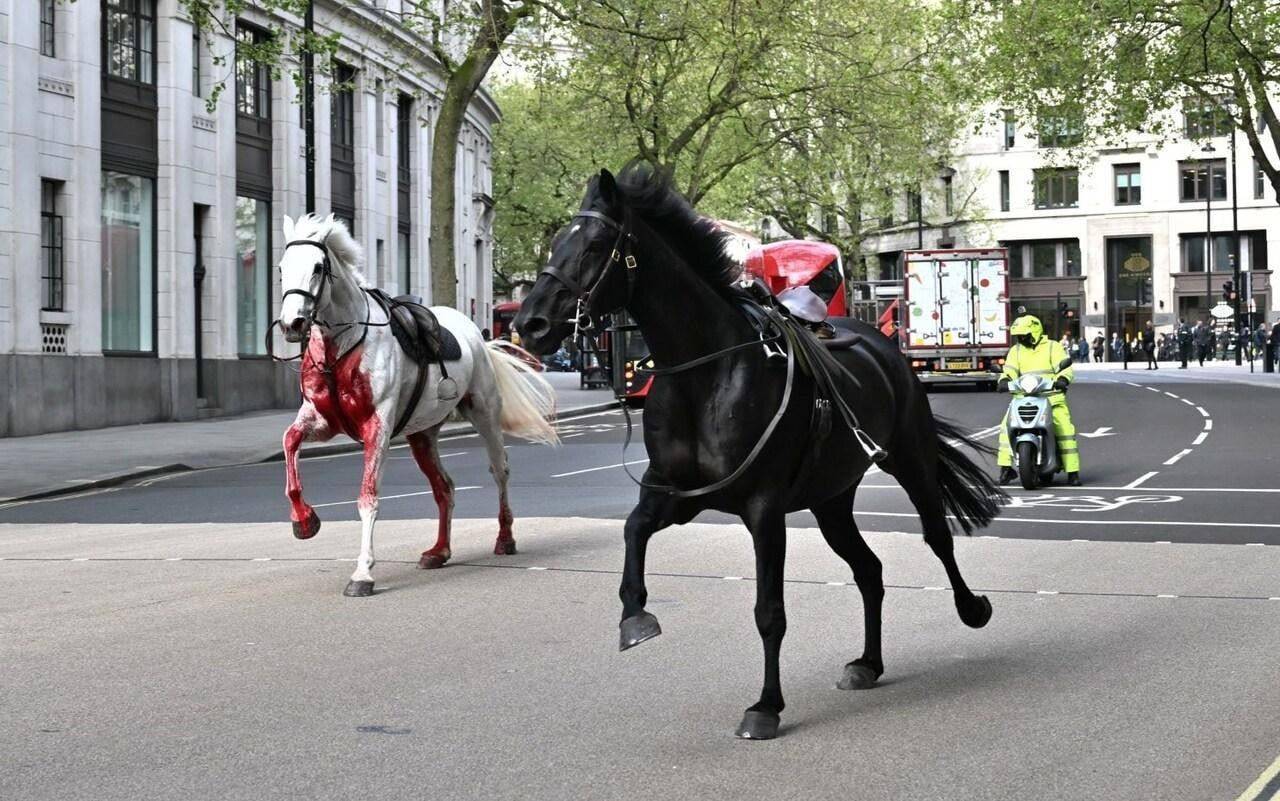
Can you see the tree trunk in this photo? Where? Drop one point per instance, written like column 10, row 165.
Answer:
column 461, row 87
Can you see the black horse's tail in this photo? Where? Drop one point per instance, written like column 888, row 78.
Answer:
column 967, row 491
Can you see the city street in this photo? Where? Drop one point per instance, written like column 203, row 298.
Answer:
column 168, row 637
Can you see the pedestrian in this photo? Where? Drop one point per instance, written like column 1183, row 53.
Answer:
column 1260, row 340
column 1185, row 337
column 1098, row 345
column 1117, row 346
column 1202, row 337
column 1274, row 349
column 1083, row 345
column 1224, row 343
column 1148, row 336
column 1244, row 341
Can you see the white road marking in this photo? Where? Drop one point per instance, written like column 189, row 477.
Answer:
column 1200, row 439
column 594, row 469
column 1187, row 401
column 1103, row 431
column 1202, row 412
column 1175, row 397
column 1153, row 389
column 261, row 559
column 1138, row 481
column 571, row 436
column 1208, row 425
column 1046, row 592
column 1162, row 595
column 1174, row 459
column 387, row 497
column 1076, row 522
column 1132, row 384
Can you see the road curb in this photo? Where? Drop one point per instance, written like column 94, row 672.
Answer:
column 452, row 431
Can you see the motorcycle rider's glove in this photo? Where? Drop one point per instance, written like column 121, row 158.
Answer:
column 1061, row 384
column 1002, row 384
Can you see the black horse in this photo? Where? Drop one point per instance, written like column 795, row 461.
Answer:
column 636, row 243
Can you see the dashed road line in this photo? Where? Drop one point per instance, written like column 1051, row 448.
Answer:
column 1200, row 439
column 595, row 469
column 1266, row 787
column 387, row 497
column 1174, row 459
column 1138, row 481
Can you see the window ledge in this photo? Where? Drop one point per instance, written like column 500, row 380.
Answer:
column 55, row 317
column 204, row 123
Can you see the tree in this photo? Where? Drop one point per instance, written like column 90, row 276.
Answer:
column 772, row 107
column 1115, row 67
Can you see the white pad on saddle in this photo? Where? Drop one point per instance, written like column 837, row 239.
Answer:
column 803, row 304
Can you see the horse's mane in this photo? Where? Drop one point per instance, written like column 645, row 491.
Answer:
column 702, row 243
column 333, row 232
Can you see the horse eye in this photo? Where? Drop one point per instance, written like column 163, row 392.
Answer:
column 319, row 266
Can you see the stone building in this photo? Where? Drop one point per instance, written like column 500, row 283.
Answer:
column 139, row 228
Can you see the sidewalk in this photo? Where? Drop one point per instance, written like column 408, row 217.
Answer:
column 1212, row 371
column 67, row 461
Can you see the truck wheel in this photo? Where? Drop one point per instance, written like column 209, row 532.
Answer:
column 1028, row 469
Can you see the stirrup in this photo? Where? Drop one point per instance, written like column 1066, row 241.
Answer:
column 874, row 452
column 447, row 389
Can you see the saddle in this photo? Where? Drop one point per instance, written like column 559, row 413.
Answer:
column 422, row 339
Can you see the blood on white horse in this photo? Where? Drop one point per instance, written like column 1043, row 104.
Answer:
column 356, row 381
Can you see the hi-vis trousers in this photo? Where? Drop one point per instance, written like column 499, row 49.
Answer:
column 1064, row 431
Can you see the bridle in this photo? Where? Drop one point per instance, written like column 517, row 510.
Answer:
column 586, row 313
column 312, row 318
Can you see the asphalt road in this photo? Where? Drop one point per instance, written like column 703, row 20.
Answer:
column 171, row 639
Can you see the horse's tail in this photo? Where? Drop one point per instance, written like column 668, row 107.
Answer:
column 527, row 398
column 967, row 491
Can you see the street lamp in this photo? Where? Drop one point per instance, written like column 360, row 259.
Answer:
column 1208, row 229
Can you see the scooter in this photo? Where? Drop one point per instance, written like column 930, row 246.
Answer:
column 1030, row 429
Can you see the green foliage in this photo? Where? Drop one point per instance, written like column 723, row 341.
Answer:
column 769, row 107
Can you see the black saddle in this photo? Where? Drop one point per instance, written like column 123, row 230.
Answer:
column 416, row 328
column 422, row 339
column 845, row 338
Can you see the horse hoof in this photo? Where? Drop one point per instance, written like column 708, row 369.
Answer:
column 358, row 589
column 635, row 630
column 976, row 613
column 309, row 528
column 858, row 675
column 758, row 726
column 432, row 561
column 504, row 547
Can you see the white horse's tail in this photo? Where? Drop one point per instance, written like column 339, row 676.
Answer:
column 527, row 398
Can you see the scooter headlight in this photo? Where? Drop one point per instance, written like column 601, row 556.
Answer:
column 1028, row 383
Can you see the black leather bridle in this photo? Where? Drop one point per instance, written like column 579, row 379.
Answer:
column 586, row 314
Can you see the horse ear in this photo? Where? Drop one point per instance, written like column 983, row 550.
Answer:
column 608, row 186
column 288, row 228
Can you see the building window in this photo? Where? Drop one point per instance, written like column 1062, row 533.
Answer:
column 913, row 205
column 1059, row 129
column 1259, row 185
column 1203, row 118
column 130, row 39
column 1047, row 258
column 1010, row 129
column 1044, row 260
column 196, row 82
column 1193, row 253
column 128, row 262
column 1004, row 190
column 1071, row 264
column 343, row 116
column 1057, row 188
column 47, row 29
column 948, row 196
column 403, row 262
column 51, row 247
column 253, row 273
column 1197, row 177
column 404, row 133
column 253, row 78
column 1128, row 184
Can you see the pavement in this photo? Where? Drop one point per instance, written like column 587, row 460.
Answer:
column 51, row 464
column 172, row 638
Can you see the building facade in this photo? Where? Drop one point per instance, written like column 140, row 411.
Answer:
column 140, row 222
column 1120, row 239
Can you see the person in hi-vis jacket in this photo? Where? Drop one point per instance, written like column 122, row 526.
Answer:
column 1034, row 353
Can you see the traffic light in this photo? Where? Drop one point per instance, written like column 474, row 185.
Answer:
column 1228, row 291
column 1066, row 312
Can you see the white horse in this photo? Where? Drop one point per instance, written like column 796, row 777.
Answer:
column 356, row 380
